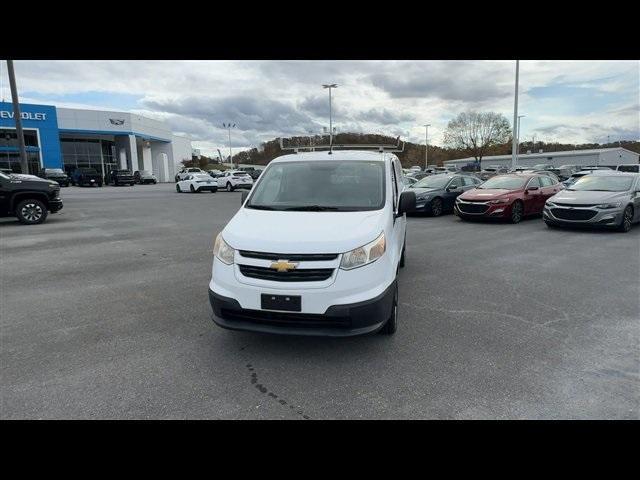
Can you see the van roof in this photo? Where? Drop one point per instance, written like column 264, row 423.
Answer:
column 336, row 155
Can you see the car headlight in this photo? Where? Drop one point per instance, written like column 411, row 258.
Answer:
column 549, row 204
column 365, row 254
column 223, row 251
column 605, row 206
column 498, row 201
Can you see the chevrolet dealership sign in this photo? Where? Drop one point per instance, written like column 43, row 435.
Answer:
column 24, row 115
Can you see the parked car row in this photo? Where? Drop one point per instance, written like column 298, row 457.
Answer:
column 601, row 197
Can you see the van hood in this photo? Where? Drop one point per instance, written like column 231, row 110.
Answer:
column 586, row 197
column 302, row 232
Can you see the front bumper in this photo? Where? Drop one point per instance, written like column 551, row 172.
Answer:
column 601, row 218
column 243, row 185
column 338, row 321
column 55, row 205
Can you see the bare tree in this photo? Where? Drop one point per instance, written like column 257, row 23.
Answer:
column 474, row 132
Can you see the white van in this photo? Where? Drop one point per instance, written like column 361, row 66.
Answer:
column 315, row 248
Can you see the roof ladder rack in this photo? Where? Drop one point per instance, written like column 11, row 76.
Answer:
column 398, row 147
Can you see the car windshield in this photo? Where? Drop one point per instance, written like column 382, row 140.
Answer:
column 335, row 185
column 431, row 182
column 603, row 183
column 202, row 176
column 504, row 183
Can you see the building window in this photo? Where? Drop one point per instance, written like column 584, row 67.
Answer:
column 9, row 138
column 86, row 153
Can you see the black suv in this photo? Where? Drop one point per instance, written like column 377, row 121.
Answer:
column 86, row 176
column 121, row 177
column 28, row 197
column 55, row 174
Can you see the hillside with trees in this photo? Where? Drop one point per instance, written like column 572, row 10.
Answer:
column 413, row 153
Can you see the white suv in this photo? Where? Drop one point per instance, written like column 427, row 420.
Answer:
column 315, row 248
column 233, row 179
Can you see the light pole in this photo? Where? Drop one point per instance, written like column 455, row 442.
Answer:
column 330, row 86
column 514, row 146
column 17, row 116
column 518, row 142
column 426, row 146
column 228, row 126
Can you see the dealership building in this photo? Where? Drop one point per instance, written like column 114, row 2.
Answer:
column 70, row 138
column 603, row 157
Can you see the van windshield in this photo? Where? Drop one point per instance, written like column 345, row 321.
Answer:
column 318, row 185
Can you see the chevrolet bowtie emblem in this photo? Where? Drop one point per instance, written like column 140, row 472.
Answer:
column 283, row 265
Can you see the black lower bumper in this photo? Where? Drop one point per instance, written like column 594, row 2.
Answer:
column 55, row 205
column 207, row 189
column 338, row 321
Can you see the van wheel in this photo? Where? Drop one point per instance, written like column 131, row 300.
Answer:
column 31, row 212
column 229, row 187
column 627, row 219
column 392, row 323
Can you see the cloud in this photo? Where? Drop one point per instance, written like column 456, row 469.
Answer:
column 577, row 101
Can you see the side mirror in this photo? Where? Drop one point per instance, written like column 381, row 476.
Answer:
column 243, row 197
column 407, row 203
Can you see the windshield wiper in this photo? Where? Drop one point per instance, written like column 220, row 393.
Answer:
column 310, row 208
column 262, row 207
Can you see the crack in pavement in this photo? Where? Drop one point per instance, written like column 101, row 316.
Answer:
column 265, row 391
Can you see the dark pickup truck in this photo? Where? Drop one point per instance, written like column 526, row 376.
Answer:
column 121, row 177
column 28, row 198
column 86, row 176
column 55, row 174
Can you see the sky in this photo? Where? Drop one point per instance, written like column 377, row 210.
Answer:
column 564, row 101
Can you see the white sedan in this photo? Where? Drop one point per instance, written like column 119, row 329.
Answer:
column 197, row 182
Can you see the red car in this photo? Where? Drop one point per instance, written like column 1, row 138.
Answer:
column 510, row 197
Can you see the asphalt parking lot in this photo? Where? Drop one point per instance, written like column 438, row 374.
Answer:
column 105, row 314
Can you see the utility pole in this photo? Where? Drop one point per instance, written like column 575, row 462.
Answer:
column 514, row 146
column 518, row 142
column 330, row 86
column 426, row 146
column 228, row 126
column 17, row 116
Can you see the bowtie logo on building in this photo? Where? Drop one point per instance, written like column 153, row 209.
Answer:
column 116, row 121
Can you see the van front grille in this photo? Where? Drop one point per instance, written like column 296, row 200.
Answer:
column 292, row 257
column 299, row 275
column 285, row 318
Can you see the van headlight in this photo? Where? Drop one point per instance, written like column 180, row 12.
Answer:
column 223, row 251
column 365, row 254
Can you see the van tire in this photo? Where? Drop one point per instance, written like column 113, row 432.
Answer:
column 391, row 325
